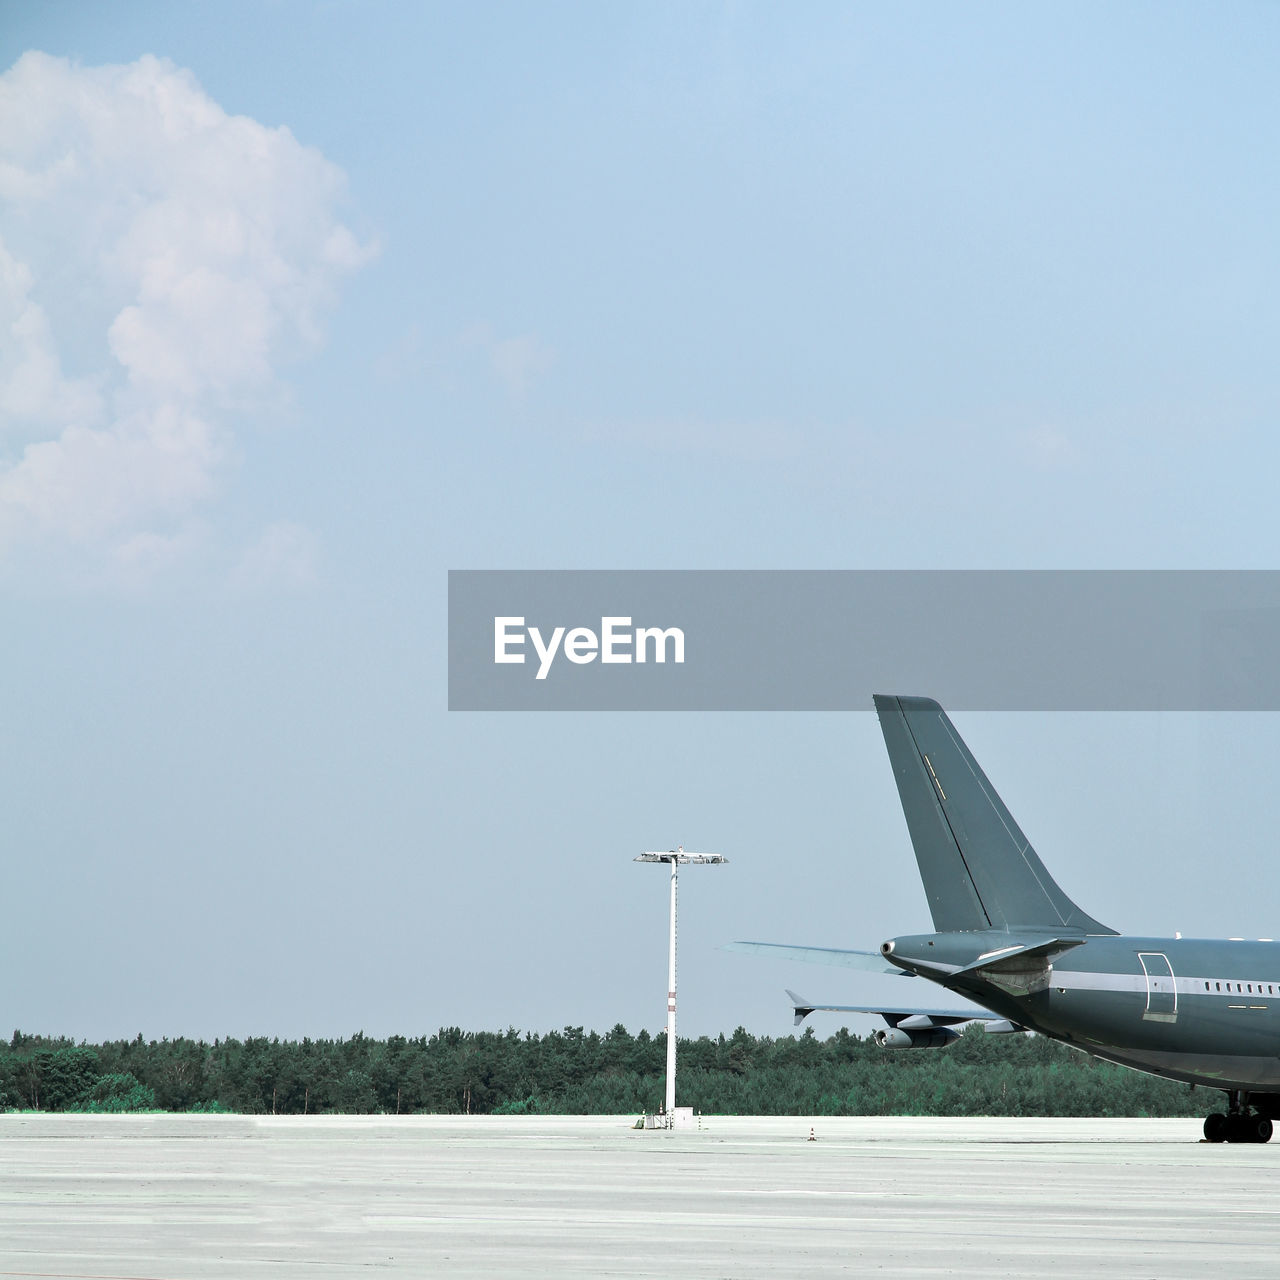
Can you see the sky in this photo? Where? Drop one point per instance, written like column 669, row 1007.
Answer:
column 304, row 304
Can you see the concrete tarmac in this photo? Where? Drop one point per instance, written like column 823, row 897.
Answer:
column 186, row 1197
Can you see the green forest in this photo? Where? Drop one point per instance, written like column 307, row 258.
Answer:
column 575, row 1072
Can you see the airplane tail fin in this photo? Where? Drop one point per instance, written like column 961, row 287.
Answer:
column 979, row 870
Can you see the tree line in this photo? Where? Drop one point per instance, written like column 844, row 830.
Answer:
column 575, row 1072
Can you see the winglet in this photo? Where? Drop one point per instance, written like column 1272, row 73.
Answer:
column 802, row 1006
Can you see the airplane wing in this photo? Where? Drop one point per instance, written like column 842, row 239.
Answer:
column 908, row 1019
column 872, row 961
column 917, row 1023
column 917, row 1026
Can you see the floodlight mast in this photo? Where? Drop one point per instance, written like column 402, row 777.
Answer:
column 675, row 857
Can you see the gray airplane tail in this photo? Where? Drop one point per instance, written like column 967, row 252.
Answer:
column 979, row 870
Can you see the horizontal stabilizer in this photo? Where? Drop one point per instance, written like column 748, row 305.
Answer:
column 872, row 961
column 1015, row 956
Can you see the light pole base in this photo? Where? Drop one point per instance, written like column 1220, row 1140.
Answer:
column 677, row 1118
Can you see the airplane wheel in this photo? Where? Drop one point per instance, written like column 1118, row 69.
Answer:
column 1215, row 1127
column 1242, row 1127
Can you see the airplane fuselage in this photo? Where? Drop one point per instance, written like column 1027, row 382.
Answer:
column 1200, row 1011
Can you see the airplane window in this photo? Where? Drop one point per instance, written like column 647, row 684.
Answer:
column 1206, row 986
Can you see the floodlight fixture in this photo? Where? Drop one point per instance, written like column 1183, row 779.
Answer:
column 676, row 857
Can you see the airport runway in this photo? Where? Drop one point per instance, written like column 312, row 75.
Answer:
column 172, row 1197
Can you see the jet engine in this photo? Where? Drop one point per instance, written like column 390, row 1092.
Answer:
column 928, row 1038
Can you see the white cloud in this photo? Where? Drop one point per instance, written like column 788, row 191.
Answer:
column 284, row 556
column 517, row 361
column 159, row 259
column 34, row 394
column 136, row 559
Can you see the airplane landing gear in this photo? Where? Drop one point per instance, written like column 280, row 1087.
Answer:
column 1215, row 1127
column 1239, row 1124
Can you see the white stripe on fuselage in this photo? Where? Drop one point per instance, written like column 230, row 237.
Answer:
column 1082, row 980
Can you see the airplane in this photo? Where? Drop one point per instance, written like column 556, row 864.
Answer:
column 1202, row 1011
